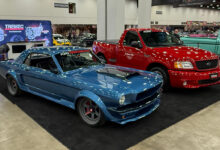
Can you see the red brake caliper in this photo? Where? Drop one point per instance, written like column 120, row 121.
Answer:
column 88, row 110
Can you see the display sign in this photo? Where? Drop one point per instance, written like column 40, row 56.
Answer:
column 25, row 30
column 61, row 5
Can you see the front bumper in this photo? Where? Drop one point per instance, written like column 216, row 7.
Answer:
column 193, row 79
column 123, row 117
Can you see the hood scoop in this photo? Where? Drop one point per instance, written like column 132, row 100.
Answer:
column 113, row 72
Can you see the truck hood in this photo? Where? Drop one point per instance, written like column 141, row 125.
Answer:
column 184, row 53
column 110, row 78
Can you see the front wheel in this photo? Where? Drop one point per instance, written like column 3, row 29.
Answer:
column 165, row 77
column 90, row 113
column 12, row 86
column 102, row 58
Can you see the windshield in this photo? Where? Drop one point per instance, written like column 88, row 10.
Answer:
column 59, row 37
column 154, row 39
column 73, row 60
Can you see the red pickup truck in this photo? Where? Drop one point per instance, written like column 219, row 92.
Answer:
column 161, row 52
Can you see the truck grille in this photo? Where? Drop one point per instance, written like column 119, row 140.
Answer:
column 207, row 64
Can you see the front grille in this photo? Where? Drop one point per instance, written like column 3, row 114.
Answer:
column 137, row 105
column 147, row 93
column 207, row 64
column 209, row 81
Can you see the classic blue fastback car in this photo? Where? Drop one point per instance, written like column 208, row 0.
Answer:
column 76, row 78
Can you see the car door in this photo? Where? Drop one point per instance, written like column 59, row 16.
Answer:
column 39, row 78
column 132, row 56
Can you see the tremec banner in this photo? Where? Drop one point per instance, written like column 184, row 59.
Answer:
column 25, row 30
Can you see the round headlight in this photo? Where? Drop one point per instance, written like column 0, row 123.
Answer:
column 122, row 100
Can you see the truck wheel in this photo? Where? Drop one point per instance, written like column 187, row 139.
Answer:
column 165, row 76
column 12, row 86
column 90, row 113
column 102, row 57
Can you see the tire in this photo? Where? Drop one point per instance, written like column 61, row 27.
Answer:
column 163, row 72
column 102, row 58
column 90, row 113
column 12, row 86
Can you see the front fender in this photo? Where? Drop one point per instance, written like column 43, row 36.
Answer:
column 96, row 99
column 12, row 73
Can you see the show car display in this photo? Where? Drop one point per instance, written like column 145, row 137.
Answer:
column 211, row 44
column 76, row 78
column 59, row 40
column 158, row 51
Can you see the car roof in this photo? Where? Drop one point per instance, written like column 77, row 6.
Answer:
column 56, row 49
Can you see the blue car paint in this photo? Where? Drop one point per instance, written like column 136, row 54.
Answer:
column 67, row 87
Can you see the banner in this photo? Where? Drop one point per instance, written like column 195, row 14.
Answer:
column 25, row 30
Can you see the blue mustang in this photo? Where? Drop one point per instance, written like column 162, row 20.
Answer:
column 76, row 78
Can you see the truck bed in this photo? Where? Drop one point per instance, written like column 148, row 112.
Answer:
column 108, row 41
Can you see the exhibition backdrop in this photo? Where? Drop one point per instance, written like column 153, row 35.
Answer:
column 25, row 30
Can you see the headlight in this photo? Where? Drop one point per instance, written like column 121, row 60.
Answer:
column 183, row 65
column 122, row 100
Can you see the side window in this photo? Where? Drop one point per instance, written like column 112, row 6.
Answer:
column 42, row 61
column 27, row 60
column 130, row 37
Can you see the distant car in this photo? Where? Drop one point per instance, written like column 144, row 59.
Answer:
column 59, row 40
column 75, row 77
column 87, row 40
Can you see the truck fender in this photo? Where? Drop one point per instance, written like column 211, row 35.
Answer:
column 95, row 98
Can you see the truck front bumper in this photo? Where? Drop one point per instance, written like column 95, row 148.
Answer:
column 193, row 79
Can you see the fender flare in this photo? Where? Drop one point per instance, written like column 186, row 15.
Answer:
column 95, row 98
column 12, row 73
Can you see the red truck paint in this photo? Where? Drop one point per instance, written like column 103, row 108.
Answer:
column 146, row 57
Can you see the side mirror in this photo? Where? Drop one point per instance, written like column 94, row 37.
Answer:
column 136, row 44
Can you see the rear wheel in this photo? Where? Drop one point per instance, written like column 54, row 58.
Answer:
column 90, row 113
column 12, row 86
column 163, row 72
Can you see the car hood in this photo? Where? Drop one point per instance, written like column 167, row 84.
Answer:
column 108, row 78
column 184, row 53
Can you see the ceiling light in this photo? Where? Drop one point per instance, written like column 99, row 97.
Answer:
column 201, row 5
column 207, row 6
column 211, row 4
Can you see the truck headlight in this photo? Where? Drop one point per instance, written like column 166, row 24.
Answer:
column 183, row 65
column 122, row 100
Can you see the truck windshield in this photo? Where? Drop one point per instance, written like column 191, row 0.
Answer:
column 70, row 61
column 157, row 39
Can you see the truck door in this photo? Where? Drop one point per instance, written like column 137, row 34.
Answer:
column 132, row 54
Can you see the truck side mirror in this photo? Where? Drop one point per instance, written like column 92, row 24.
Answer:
column 136, row 44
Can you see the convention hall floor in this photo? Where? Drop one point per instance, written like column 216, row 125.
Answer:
column 186, row 119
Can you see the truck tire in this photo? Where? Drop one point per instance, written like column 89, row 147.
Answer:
column 163, row 72
column 102, row 57
column 12, row 86
column 90, row 113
